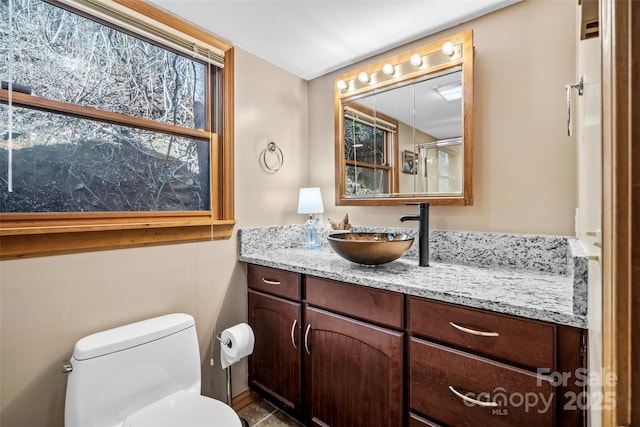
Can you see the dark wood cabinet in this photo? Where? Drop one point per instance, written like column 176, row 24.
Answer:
column 334, row 354
column 469, row 367
column 353, row 372
column 353, row 363
column 275, row 366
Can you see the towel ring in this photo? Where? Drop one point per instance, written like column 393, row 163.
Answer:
column 272, row 148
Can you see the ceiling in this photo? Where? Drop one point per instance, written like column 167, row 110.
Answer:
column 310, row 38
column 419, row 106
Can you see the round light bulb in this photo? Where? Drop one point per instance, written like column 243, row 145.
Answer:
column 341, row 84
column 448, row 48
column 387, row 69
column 363, row 77
column 416, row 59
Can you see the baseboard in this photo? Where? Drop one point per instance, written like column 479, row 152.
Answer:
column 244, row 399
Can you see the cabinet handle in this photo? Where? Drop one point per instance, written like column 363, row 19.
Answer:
column 293, row 328
column 306, row 339
column 473, row 331
column 474, row 401
column 270, row 282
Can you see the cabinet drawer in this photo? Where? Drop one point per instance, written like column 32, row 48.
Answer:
column 524, row 342
column 373, row 305
column 273, row 281
column 517, row 397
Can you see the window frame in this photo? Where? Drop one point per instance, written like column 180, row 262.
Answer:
column 37, row 234
column 391, row 144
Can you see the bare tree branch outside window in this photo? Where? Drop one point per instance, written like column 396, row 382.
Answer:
column 63, row 163
column 365, row 148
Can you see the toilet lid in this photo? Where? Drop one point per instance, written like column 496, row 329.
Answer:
column 184, row 409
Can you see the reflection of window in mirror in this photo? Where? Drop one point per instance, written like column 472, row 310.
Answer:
column 370, row 160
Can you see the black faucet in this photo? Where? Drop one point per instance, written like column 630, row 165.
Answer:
column 423, row 238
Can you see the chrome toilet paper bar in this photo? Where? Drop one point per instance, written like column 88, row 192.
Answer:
column 226, row 342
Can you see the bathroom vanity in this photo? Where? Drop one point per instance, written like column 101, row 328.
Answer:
column 342, row 344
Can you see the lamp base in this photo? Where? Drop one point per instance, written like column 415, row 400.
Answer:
column 311, row 235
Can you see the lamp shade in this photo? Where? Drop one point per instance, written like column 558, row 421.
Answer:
column 310, row 201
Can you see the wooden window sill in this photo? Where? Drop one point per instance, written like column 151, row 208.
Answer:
column 16, row 244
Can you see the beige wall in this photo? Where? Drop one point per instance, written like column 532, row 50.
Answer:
column 48, row 303
column 524, row 181
column 525, row 173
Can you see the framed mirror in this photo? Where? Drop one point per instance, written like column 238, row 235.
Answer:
column 404, row 128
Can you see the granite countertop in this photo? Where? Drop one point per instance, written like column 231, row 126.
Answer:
column 551, row 287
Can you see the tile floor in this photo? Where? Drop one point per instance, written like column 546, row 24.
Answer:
column 263, row 414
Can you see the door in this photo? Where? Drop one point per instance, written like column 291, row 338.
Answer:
column 353, row 372
column 275, row 365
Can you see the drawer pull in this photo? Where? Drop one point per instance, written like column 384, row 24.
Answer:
column 306, row 339
column 474, row 401
column 473, row 331
column 270, row 282
column 293, row 328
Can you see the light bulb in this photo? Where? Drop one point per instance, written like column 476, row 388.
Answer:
column 448, row 48
column 363, row 77
column 341, row 84
column 416, row 59
column 387, row 69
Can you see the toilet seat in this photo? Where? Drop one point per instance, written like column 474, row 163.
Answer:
column 184, row 409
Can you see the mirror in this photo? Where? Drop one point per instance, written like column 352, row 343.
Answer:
column 404, row 128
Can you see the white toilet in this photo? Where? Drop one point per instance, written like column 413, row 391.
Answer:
column 146, row 374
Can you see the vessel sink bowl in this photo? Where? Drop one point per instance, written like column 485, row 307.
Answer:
column 370, row 248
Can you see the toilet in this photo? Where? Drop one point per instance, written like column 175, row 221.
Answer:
column 145, row 374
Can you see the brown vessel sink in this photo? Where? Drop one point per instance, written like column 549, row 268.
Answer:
column 370, row 248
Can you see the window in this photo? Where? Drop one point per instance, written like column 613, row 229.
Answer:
column 115, row 137
column 369, row 143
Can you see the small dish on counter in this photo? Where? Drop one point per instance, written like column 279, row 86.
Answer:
column 370, row 248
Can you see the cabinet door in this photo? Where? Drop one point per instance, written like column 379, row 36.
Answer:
column 274, row 366
column 353, row 372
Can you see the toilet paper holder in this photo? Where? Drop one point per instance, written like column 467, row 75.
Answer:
column 226, row 342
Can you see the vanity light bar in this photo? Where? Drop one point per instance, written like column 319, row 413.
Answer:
column 450, row 51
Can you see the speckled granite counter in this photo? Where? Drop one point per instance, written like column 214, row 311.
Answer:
column 537, row 277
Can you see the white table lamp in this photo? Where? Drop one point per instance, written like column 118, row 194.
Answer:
column 310, row 203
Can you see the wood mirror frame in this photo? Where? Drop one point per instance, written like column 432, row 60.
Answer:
column 348, row 88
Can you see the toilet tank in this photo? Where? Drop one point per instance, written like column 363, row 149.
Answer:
column 121, row 370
